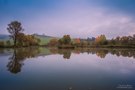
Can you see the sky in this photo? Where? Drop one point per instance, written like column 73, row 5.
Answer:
column 78, row 18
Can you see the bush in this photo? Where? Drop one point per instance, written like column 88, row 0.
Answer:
column 2, row 44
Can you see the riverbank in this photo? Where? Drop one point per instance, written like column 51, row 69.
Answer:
column 111, row 46
column 73, row 46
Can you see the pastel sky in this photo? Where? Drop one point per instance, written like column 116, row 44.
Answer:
column 79, row 18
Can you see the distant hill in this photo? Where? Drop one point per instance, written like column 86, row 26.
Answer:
column 44, row 38
column 4, row 37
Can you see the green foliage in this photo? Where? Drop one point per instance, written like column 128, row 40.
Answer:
column 84, row 43
column 124, row 40
column 8, row 43
column 44, row 40
column 27, row 40
column 2, row 44
column 65, row 40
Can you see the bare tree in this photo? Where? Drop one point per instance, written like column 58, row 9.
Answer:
column 14, row 28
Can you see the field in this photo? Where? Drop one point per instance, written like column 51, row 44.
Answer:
column 43, row 39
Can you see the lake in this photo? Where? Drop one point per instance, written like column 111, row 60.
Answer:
column 66, row 69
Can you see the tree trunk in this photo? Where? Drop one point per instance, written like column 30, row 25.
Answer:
column 15, row 42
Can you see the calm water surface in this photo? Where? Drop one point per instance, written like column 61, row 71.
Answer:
column 79, row 69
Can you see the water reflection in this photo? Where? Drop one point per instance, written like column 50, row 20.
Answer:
column 19, row 55
column 66, row 53
column 103, row 52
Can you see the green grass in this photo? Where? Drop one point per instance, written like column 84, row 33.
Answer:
column 5, row 41
column 44, row 40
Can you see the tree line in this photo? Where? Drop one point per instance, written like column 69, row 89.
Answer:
column 20, row 39
column 99, row 41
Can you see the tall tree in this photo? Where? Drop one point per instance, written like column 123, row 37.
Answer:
column 14, row 28
column 65, row 39
column 101, row 40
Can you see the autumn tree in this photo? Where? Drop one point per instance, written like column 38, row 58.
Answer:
column 53, row 42
column 77, row 41
column 14, row 28
column 101, row 40
column 21, row 39
column 65, row 40
column 31, row 40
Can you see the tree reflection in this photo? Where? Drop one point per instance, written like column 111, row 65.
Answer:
column 19, row 55
column 65, row 52
column 1, row 51
column 123, row 52
column 14, row 66
column 100, row 52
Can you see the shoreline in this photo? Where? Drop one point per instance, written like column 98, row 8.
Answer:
column 74, row 47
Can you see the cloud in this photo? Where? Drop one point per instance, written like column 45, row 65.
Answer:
column 82, row 22
column 77, row 19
